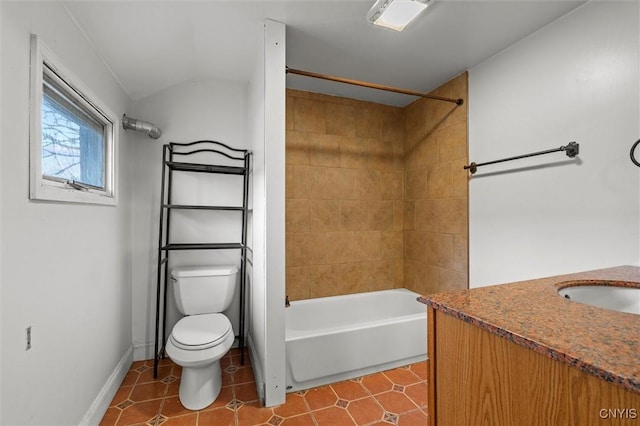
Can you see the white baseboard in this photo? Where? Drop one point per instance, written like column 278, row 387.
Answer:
column 100, row 405
column 143, row 351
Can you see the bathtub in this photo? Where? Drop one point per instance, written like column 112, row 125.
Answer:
column 336, row 338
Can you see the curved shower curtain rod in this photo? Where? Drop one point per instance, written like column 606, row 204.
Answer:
column 371, row 85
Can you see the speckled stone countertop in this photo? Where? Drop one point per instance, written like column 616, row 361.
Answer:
column 601, row 342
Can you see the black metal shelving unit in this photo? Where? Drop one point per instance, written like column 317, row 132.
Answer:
column 240, row 160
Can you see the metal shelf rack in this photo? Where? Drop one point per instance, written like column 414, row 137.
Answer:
column 241, row 166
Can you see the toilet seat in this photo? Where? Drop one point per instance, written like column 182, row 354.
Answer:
column 198, row 332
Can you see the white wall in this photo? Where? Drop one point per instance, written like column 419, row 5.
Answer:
column 194, row 110
column 267, row 124
column 66, row 268
column 574, row 80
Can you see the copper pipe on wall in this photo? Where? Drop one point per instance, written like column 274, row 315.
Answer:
column 372, row 85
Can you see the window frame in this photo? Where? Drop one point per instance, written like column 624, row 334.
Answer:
column 58, row 189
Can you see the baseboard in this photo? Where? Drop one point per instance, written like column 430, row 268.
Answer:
column 143, row 351
column 257, row 369
column 100, row 405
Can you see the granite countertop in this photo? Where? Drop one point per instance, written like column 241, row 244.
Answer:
column 598, row 341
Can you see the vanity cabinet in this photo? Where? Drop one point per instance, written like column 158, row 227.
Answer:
column 479, row 378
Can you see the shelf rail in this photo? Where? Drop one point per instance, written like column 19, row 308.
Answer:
column 571, row 149
column 169, row 166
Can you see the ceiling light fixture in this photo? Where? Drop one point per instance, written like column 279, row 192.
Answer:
column 396, row 14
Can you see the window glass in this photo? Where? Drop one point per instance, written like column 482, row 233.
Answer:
column 73, row 145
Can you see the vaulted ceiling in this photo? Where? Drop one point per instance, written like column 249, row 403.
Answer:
column 153, row 45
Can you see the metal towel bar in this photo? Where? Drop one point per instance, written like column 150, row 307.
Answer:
column 572, row 149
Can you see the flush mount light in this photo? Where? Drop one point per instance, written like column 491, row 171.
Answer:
column 396, row 14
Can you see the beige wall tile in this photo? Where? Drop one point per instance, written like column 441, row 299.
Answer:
column 354, row 215
column 353, row 152
column 324, row 215
column 380, row 215
column 309, row 115
column 452, row 216
column 452, row 142
column 336, row 183
column 409, row 215
column 297, row 217
column 427, row 215
column 341, row 119
column 368, row 122
column 297, row 148
column 439, row 181
column 297, row 283
column 392, row 185
column 324, row 150
column 416, row 184
column 368, row 184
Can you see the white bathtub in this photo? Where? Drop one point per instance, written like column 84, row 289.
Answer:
column 336, row 338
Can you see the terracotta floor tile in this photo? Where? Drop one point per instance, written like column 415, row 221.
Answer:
column 143, row 399
column 253, row 414
column 227, row 378
column 418, row 393
column 131, row 378
column 188, row 420
column 421, row 369
column 402, row 376
column 413, row 418
column 146, row 391
column 140, row 412
column 365, row 410
column 333, row 416
column 173, row 408
column 294, row 406
column 321, row 397
column 302, row 420
column 349, row 390
column 246, row 392
column 173, row 389
column 225, row 397
column 243, row 375
column 121, row 395
column 110, row 417
column 395, row 402
column 147, row 376
column 217, row 417
column 377, row 383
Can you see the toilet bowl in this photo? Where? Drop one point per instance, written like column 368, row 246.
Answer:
column 204, row 335
column 196, row 344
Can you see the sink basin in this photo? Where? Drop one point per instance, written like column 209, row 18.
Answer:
column 604, row 295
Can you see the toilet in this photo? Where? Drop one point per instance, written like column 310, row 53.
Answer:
column 204, row 335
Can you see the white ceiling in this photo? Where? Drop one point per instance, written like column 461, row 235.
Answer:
column 152, row 45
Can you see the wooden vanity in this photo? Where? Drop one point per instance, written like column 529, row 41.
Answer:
column 520, row 354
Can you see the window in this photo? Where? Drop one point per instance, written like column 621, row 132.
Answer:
column 73, row 137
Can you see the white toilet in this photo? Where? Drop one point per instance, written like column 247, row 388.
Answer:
column 204, row 335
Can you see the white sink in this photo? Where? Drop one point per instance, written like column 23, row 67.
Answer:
column 621, row 299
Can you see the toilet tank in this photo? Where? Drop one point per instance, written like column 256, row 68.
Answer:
column 203, row 289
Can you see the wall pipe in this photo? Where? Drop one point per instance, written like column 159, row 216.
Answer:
column 152, row 130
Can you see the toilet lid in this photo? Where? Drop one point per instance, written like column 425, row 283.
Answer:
column 201, row 330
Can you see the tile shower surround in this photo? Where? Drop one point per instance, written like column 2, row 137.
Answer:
column 393, row 397
column 376, row 196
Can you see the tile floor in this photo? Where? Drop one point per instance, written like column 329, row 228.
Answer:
column 396, row 397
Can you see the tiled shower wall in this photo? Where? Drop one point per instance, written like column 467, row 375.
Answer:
column 436, row 192
column 376, row 195
column 344, row 196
